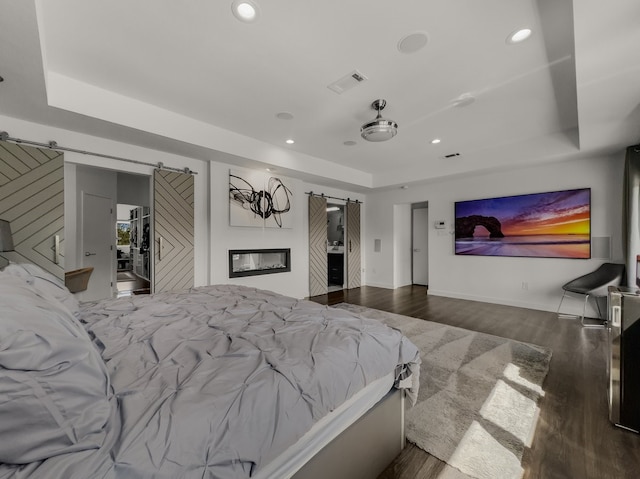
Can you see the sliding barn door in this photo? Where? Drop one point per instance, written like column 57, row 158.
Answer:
column 318, row 272
column 32, row 201
column 173, row 195
column 353, row 246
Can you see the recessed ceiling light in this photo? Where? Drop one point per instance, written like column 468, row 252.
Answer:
column 333, row 208
column 413, row 42
column 290, row 141
column 270, row 169
column 350, row 143
column 518, row 36
column 435, row 141
column 245, row 10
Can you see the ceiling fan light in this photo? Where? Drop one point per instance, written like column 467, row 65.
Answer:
column 379, row 129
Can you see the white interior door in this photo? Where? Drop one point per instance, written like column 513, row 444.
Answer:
column 420, row 246
column 98, row 240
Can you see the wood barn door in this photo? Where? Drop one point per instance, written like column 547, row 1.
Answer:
column 352, row 247
column 32, row 201
column 173, row 197
column 318, row 272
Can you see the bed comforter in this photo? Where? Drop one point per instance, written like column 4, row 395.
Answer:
column 218, row 381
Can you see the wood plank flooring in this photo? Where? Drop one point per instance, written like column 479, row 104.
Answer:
column 574, row 438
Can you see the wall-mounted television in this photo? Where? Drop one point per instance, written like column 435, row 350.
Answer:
column 554, row 224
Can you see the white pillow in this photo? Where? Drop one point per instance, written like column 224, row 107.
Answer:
column 55, row 389
column 44, row 282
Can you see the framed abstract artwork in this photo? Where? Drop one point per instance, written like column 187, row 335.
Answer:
column 555, row 224
column 260, row 199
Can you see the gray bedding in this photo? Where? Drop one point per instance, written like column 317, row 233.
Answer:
column 218, row 381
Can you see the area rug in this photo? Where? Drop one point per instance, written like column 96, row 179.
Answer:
column 478, row 402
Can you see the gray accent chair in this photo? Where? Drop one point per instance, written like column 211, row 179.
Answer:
column 595, row 284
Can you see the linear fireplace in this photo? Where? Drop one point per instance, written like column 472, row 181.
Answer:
column 252, row 262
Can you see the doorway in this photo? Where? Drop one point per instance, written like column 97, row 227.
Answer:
column 94, row 194
column 335, row 246
column 132, row 264
column 420, row 243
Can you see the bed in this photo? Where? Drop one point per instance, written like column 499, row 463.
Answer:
column 220, row 381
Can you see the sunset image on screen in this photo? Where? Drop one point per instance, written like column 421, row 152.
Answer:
column 553, row 224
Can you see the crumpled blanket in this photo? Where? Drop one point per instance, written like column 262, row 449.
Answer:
column 218, row 381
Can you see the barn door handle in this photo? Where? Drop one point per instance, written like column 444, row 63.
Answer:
column 160, row 247
column 86, row 253
column 349, row 246
column 56, row 249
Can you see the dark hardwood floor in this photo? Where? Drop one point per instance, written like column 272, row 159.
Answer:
column 574, row 438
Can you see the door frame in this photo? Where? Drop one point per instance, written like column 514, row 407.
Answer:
column 342, row 204
column 417, row 206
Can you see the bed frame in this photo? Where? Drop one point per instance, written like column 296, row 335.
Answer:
column 365, row 448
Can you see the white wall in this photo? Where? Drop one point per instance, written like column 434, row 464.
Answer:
column 481, row 278
column 498, row 279
column 134, row 189
column 224, row 237
column 213, row 235
column 41, row 133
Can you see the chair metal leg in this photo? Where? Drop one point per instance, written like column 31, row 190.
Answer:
column 584, row 311
column 564, row 293
column 563, row 315
column 601, row 325
column 584, row 307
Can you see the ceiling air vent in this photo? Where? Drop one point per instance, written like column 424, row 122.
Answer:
column 347, row 82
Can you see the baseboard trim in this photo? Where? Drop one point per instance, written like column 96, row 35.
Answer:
column 484, row 299
column 379, row 285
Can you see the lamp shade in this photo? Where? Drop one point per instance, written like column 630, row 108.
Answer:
column 6, row 240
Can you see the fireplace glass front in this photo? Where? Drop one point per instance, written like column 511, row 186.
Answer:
column 251, row 262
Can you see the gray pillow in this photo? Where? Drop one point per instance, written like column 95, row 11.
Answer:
column 44, row 282
column 55, row 392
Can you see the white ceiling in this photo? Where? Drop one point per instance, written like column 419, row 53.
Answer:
column 188, row 78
